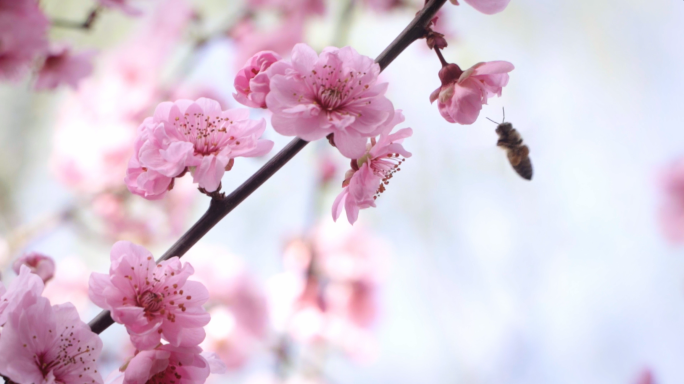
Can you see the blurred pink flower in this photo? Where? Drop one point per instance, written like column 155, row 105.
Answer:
column 335, row 93
column 169, row 364
column 23, row 36
column 41, row 265
column 488, row 7
column 280, row 39
column 70, row 284
column 152, row 300
column 327, row 169
column 49, row 344
column 124, row 216
column 329, row 292
column 646, row 377
column 370, row 173
column 26, row 283
column 462, row 94
column 121, row 5
column 251, row 82
column 672, row 205
column 192, row 134
column 237, row 304
column 61, row 66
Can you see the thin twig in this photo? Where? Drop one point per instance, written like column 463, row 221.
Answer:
column 219, row 208
column 86, row 25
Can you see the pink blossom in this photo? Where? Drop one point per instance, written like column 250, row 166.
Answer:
column 367, row 179
column 252, row 80
column 152, row 300
column 41, row 265
column 192, row 134
column 11, row 298
column 121, row 5
column 23, row 36
column 169, row 364
column 142, row 180
column 336, row 92
column 61, row 66
column 488, row 7
column 48, row 344
column 462, row 94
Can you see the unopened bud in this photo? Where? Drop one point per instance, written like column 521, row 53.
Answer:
column 450, row 73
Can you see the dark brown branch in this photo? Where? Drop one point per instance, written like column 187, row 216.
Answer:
column 86, row 25
column 219, row 208
column 414, row 31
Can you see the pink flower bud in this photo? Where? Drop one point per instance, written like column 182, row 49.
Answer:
column 251, row 82
column 462, row 94
column 41, row 265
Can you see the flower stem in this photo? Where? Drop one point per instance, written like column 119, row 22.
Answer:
column 441, row 58
column 219, row 208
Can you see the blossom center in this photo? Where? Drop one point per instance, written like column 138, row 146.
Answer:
column 152, row 302
column 208, row 134
column 333, row 90
column 69, row 357
column 166, row 376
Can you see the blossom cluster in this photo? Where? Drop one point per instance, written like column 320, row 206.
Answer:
column 155, row 302
column 191, row 135
column 336, row 95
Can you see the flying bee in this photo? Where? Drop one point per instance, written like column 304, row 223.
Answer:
column 518, row 154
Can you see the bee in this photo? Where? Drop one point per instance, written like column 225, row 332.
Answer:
column 517, row 152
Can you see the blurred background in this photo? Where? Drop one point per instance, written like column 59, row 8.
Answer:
column 464, row 273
